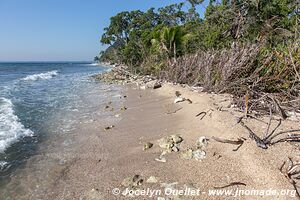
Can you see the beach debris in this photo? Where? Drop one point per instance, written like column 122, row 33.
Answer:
column 161, row 159
column 291, row 171
column 270, row 137
column 175, row 149
column 239, row 141
column 157, row 85
column 231, row 184
column 179, row 99
column 188, row 100
column 132, row 182
column 225, row 103
column 197, row 88
column 173, row 111
column 202, row 142
column 217, row 154
column 107, row 106
column 152, row 179
column 189, row 154
column 202, row 114
column 199, row 154
column 278, row 107
column 153, row 84
column 117, row 115
column 182, row 99
column 143, row 87
column 123, row 108
column 176, row 139
column 177, row 94
column 169, row 142
column 109, row 127
column 147, row 145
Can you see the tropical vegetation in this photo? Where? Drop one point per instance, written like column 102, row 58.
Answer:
column 237, row 45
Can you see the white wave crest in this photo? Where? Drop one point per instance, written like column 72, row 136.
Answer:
column 93, row 64
column 11, row 129
column 43, row 76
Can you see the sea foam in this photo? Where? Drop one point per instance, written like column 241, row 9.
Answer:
column 41, row 76
column 11, row 129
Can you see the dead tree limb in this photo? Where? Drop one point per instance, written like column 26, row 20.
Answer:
column 259, row 142
column 270, row 138
column 239, row 141
column 231, row 184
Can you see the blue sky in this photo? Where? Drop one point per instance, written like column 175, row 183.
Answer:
column 59, row 30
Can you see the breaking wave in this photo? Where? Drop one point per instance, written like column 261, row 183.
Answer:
column 11, row 129
column 41, row 76
column 93, row 64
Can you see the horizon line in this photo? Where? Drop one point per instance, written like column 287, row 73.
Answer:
column 7, row 61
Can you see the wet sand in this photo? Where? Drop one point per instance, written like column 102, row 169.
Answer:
column 99, row 161
column 105, row 158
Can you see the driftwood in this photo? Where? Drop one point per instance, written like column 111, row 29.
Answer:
column 231, row 184
column 239, row 141
column 173, row 111
column 202, row 114
column 271, row 138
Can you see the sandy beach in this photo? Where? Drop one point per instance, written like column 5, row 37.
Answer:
column 100, row 160
column 150, row 100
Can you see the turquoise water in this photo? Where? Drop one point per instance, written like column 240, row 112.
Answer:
column 41, row 100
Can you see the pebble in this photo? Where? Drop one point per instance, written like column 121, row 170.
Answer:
column 147, row 145
column 163, row 159
column 152, row 179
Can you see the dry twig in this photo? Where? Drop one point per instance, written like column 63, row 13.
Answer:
column 239, row 141
column 231, row 184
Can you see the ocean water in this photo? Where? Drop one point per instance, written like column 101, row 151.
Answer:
column 41, row 101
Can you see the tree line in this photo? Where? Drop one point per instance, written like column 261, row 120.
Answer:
column 153, row 41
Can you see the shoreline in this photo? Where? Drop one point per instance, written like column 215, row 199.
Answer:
column 109, row 157
column 117, row 154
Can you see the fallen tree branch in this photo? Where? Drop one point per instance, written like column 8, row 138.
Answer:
column 231, row 184
column 202, row 114
column 270, row 138
column 259, row 142
column 239, row 141
column 172, row 112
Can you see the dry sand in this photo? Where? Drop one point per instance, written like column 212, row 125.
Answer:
column 104, row 158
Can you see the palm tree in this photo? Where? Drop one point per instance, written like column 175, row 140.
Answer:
column 169, row 40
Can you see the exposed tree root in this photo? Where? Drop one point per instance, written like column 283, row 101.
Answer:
column 270, row 137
